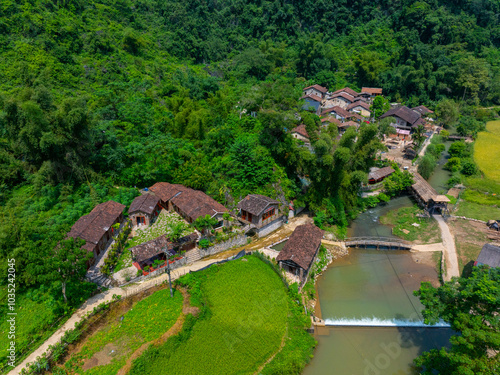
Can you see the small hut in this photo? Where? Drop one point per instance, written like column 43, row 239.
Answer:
column 489, row 255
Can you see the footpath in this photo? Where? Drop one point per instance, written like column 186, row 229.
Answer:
column 450, row 251
column 105, row 297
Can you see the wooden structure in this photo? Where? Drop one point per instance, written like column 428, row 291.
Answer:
column 427, row 196
column 300, row 251
column 378, row 243
column 406, row 118
column 379, row 175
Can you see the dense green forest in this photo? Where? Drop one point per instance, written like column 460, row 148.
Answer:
column 96, row 95
column 100, row 97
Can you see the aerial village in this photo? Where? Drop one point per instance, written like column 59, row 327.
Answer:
column 153, row 214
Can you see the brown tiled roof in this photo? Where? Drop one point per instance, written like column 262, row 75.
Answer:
column 405, row 113
column 358, row 104
column 338, row 110
column 347, row 90
column 372, row 90
column 93, row 226
column 423, row 188
column 166, row 191
column 256, row 203
column 301, row 129
column 331, row 119
column 422, row 110
column 156, row 246
column 380, row 173
column 317, row 87
column 313, row 97
column 302, row 245
column 144, row 203
column 344, row 95
column 195, row 203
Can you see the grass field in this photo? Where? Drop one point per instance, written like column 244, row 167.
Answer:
column 402, row 221
column 107, row 350
column 40, row 312
column 487, row 151
column 477, row 211
column 242, row 324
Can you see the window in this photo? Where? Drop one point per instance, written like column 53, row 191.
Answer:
column 268, row 214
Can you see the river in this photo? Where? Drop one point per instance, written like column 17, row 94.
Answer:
column 374, row 322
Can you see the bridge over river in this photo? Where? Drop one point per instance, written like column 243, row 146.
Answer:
column 385, row 243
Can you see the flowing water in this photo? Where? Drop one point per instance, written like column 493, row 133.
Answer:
column 441, row 176
column 374, row 322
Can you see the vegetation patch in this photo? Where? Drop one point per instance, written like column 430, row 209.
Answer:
column 244, row 314
column 162, row 225
column 106, row 351
column 477, row 211
column 408, row 226
column 487, row 151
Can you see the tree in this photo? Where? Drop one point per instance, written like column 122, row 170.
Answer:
column 397, row 182
column 419, row 135
column 385, row 127
column 445, row 134
column 447, row 112
column 472, row 76
column 380, row 106
column 67, row 262
column 458, row 149
column 205, row 223
column 470, row 305
column 426, row 166
column 453, row 164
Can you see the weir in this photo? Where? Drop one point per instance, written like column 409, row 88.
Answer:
column 377, row 322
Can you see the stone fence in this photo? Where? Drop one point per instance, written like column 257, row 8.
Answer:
column 467, row 218
column 238, row 240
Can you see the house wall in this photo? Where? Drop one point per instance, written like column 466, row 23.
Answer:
column 314, row 92
column 300, row 137
column 341, row 102
column 270, row 226
column 311, row 103
column 400, row 123
column 362, row 111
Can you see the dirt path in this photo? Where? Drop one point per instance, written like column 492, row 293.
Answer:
column 450, row 252
column 175, row 329
column 282, row 345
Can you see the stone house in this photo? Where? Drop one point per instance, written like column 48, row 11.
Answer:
column 144, row 209
column 340, row 114
column 300, row 133
column 360, row 107
column 316, row 90
column 300, row 251
column 371, row 91
column 341, row 99
column 96, row 228
column 260, row 213
column 190, row 204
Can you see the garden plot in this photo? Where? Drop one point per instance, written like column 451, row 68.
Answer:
column 161, row 226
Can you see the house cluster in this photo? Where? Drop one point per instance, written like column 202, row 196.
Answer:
column 258, row 215
column 344, row 107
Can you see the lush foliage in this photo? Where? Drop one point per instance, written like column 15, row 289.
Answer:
column 487, row 151
column 471, row 306
column 241, row 324
column 398, row 182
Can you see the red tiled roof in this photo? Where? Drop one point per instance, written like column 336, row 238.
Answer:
column 317, row 87
column 313, row 97
column 372, row 90
column 347, row 90
column 93, row 226
column 348, row 123
column 331, row 119
column 301, row 129
column 302, row 245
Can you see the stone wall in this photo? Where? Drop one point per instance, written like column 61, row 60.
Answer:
column 467, row 218
column 264, row 231
column 239, row 240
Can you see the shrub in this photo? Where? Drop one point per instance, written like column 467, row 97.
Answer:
column 453, row 164
column 469, row 168
column 204, row 243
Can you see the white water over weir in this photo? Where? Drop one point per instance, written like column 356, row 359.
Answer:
column 377, row 322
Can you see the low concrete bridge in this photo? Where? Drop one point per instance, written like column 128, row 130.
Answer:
column 378, row 243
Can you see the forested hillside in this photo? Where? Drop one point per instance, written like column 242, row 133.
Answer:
column 99, row 97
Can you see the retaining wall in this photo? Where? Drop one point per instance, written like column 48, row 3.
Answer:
column 239, row 240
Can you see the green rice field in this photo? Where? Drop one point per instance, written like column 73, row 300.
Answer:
column 487, row 150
